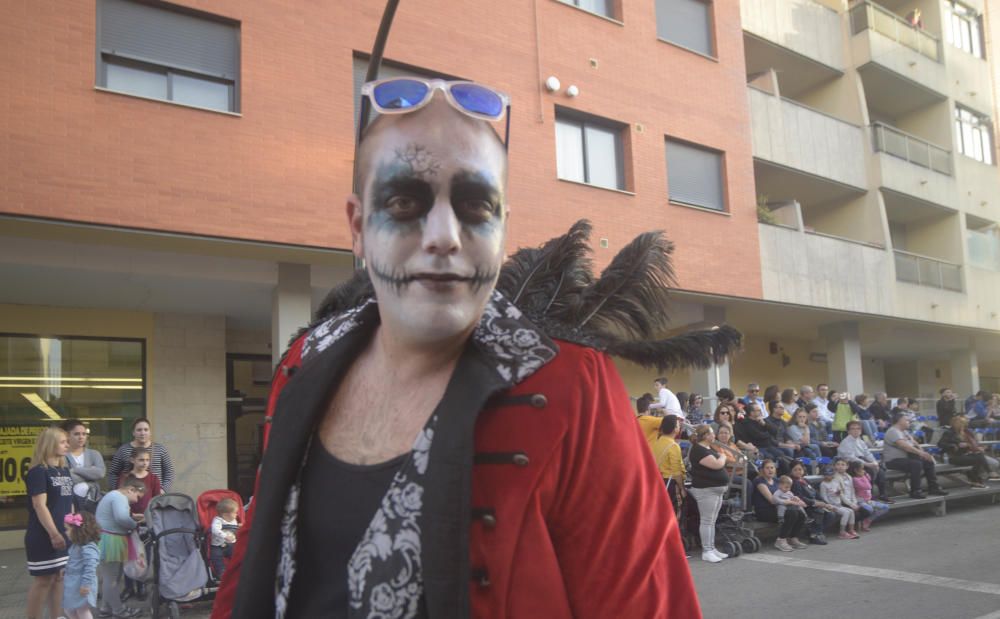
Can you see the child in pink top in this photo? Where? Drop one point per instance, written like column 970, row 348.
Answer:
column 863, row 491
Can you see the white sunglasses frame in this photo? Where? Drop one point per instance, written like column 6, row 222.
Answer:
column 368, row 90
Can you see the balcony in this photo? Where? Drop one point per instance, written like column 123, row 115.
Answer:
column 914, row 167
column 825, row 271
column 901, row 66
column 798, row 38
column 927, row 271
column 794, row 136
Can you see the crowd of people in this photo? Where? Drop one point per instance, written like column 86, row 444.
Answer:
column 779, row 437
column 80, row 517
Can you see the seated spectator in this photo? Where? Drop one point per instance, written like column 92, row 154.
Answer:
column 818, row 431
column 979, row 414
column 881, row 411
column 847, row 494
column 723, row 414
column 830, row 490
column 786, row 500
column 789, row 401
column 753, row 397
column 728, row 397
column 947, row 407
column 819, row 515
column 854, row 449
column 903, row 453
column 669, row 459
column 963, row 449
column 726, row 445
column 806, row 395
column 798, row 432
column 822, row 397
column 863, row 492
column 779, row 430
column 772, row 393
column 694, row 412
column 708, row 486
column 793, row 526
column 753, row 430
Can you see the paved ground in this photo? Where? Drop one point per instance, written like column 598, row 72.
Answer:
column 909, row 566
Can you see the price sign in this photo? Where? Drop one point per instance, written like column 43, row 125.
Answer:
column 16, row 446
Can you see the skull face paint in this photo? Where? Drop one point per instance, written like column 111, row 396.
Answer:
column 432, row 221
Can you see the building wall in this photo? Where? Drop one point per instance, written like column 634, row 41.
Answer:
column 280, row 170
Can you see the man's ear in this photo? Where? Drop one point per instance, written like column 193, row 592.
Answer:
column 355, row 220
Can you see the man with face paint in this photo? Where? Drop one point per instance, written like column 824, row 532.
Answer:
column 502, row 476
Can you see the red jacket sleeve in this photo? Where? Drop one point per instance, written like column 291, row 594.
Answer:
column 615, row 533
column 222, row 608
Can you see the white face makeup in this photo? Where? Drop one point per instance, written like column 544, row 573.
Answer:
column 433, row 221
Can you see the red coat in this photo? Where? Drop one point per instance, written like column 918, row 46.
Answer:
column 582, row 529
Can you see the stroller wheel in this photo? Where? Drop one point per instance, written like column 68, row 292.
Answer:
column 756, row 544
column 748, row 545
column 737, row 548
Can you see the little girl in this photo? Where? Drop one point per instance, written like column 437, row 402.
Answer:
column 863, row 491
column 80, row 580
column 831, row 492
column 141, row 457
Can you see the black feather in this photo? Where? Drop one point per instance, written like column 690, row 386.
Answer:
column 546, row 280
column 700, row 349
column 630, row 298
column 345, row 296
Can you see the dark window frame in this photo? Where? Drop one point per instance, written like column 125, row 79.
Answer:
column 152, row 65
column 583, row 120
column 723, row 185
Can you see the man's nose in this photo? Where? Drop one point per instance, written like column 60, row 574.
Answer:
column 442, row 230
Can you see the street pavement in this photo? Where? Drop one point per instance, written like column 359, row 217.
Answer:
column 911, row 566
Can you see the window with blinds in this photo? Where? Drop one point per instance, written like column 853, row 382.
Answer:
column 694, row 175
column 589, row 150
column 159, row 51
column 687, row 23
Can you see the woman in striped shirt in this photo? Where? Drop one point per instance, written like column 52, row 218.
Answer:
column 161, row 466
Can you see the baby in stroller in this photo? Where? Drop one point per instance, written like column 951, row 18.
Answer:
column 224, row 527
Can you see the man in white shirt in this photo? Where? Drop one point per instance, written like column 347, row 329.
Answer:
column 822, row 391
column 667, row 403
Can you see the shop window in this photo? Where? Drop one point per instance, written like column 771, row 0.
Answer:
column 45, row 380
column 160, row 51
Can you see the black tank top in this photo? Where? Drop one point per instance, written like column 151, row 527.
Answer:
column 336, row 504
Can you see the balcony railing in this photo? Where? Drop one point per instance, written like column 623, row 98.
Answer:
column 900, row 144
column 925, row 271
column 868, row 15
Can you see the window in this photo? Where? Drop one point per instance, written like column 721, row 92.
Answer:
column 589, row 150
column 45, row 380
column 964, row 28
column 974, row 134
column 694, row 175
column 687, row 23
column 165, row 52
column 601, row 7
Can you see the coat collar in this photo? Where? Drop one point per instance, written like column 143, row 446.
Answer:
column 504, row 349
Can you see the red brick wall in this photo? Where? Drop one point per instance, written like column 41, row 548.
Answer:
column 280, row 172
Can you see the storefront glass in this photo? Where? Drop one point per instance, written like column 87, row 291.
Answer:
column 45, row 380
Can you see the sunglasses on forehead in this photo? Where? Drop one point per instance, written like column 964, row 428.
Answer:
column 400, row 95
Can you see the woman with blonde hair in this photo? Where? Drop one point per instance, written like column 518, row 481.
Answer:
column 50, row 489
column 708, row 485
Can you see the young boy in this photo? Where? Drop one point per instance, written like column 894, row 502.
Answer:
column 224, row 527
column 786, row 499
column 831, row 491
column 141, row 458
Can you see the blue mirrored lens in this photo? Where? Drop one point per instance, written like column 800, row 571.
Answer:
column 399, row 94
column 478, row 99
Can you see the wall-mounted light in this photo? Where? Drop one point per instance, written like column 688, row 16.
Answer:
column 552, row 83
column 572, row 90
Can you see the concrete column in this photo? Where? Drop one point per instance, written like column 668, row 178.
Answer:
column 965, row 372
column 291, row 305
column 843, row 355
column 706, row 382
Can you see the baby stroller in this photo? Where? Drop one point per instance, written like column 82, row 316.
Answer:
column 732, row 534
column 178, row 571
column 206, row 512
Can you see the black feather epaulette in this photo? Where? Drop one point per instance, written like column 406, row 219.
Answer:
column 623, row 312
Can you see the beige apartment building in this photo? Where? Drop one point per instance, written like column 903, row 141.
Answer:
column 879, row 196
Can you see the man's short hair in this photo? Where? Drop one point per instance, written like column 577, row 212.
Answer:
column 943, row 389
column 806, row 388
column 853, row 422
column 661, row 380
column 899, row 414
column 822, row 385
column 642, row 405
column 810, row 406
column 753, row 385
column 133, row 482
column 668, row 425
